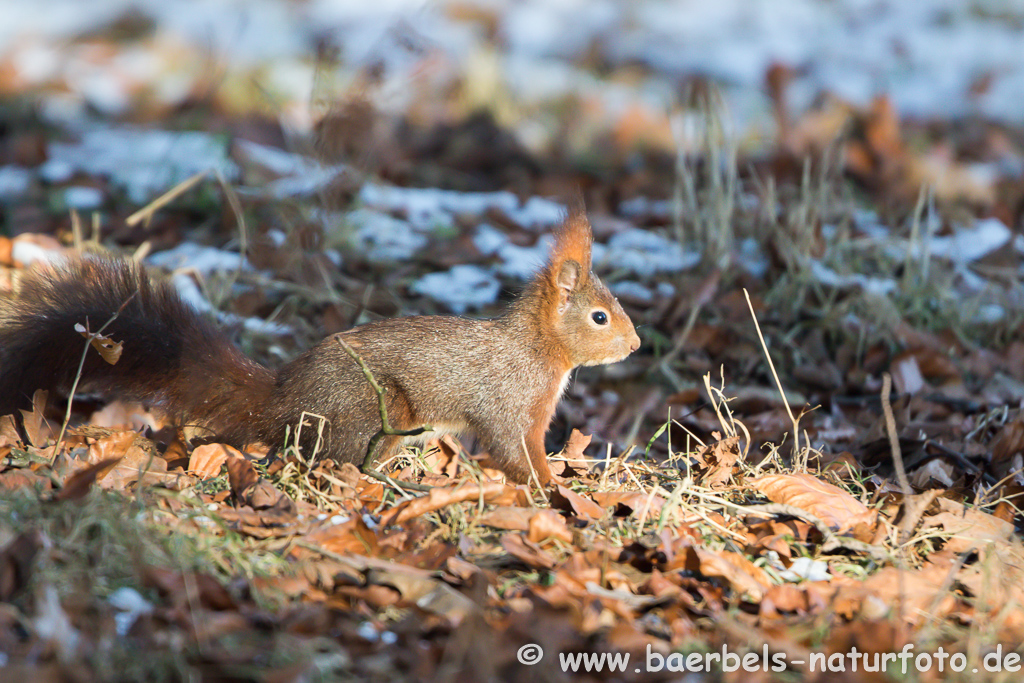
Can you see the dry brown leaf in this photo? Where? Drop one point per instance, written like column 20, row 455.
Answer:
column 574, row 447
column 79, row 483
column 548, row 524
column 629, row 502
column 351, row 536
column 527, row 552
column 567, row 500
column 1008, row 442
column 835, row 507
column 108, row 349
column 494, row 493
column 742, row 575
column 37, row 429
column 908, row 594
column 906, row 374
column 241, row 475
column 719, row 459
column 971, row 528
column 8, row 431
column 17, row 560
column 508, row 517
column 206, row 460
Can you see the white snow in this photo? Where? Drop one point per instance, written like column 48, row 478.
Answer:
column 14, row 181
column 970, row 244
column 197, row 257
column 429, row 207
column 130, row 605
column 381, row 237
column 872, row 285
column 460, row 288
column 144, row 163
column 646, row 253
column 84, row 198
column 522, row 262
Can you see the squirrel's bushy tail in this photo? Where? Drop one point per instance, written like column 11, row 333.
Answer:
column 172, row 356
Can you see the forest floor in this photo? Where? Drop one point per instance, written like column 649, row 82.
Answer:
column 812, row 469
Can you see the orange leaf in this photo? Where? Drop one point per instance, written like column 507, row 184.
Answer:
column 79, row 483
column 568, row 500
column 206, row 460
column 832, row 505
column 108, row 349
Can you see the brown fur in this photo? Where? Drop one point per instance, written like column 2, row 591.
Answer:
column 499, row 378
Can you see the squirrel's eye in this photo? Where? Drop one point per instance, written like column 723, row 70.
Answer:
column 599, row 317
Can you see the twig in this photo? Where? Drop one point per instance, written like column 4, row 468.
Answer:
column 385, row 427
column 81, row 366
column 778, row 383
column 894, row 441
column 146, row 212
column 832, row 541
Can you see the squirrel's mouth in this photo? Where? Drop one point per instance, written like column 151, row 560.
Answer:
column 608, row 360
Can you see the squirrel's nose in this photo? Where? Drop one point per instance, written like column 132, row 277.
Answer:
column 634, row 343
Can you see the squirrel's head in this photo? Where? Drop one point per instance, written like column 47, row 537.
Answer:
column 585, row 318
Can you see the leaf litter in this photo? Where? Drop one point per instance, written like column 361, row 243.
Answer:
column 699, row 516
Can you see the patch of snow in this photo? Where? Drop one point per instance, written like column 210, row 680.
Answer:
column 304, row 185
column 460, row 288
column 633, row 290
column 872, row 285
column 538, row 212
column 142, row 162
column 200, row 258
column 130, row 605
column 381, row 237
column 301, row 176
column 190, row 293
column 488, row 239
column 276, row 237
column 752, row 258
column 970, row 244
column 647, row 253
column 989, row 314
column 806, row 569
column 522, row 262
column 14, row 181
column 273, row 159
column 84, row 198
column 427, row 208
column 867, row 222
column 644, row 206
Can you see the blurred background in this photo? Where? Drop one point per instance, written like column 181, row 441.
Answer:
column 856, row 164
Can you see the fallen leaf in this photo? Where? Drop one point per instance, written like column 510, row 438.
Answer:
column 567, row 500
column 527, row 552
column 494, row 493
column 108, row 349
column 548, row 524
column 738, row 571
column 718, row 459
column 17, row 560
column 835, row 507
column 206, row 460
column 80, row 481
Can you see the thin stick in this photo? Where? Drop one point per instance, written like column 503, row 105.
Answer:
column 771, row 366
column 894, row 441
column 385, row 429
column 146, row 212
column 81, row 367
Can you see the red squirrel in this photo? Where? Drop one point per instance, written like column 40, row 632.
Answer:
column 499, row 378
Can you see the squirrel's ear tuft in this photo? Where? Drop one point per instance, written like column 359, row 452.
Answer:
column 572, row 243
